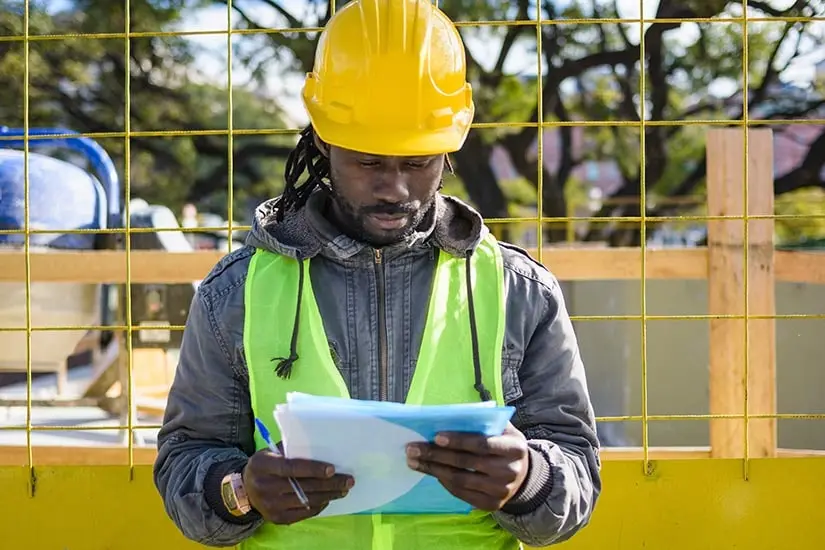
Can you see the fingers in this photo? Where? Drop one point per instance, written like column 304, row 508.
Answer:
column 479, row 490
column 337, row 483
column 508, row 445
column 269, row 463
column 278, row 486
column 488, row 464
column 455, row 479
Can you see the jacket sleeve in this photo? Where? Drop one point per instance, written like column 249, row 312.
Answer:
column 207, row 430
column 555, row 414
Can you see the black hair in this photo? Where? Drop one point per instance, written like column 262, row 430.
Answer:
column 304, row 158
column 307, row 158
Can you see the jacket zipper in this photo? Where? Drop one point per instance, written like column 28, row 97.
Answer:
column 382, row 327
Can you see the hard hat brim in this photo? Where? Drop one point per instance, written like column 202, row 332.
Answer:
column 393, row 142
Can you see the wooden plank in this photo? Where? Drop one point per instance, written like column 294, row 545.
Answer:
column 798, row 266
column 761, row 295
column 726, row 292
column 17, row 455
column 682, row 453
column 109, row 266
column 654, row 453
column 150, row 266
column 586, row 264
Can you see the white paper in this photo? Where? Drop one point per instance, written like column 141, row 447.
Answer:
column 368, row 440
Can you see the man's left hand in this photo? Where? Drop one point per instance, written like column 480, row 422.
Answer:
column 483, row 471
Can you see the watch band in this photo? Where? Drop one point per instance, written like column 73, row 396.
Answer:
column 234, row 495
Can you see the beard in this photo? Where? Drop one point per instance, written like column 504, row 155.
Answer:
column 354, row 220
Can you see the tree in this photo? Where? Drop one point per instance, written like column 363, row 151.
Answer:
column 590, row 72
column 80, row 84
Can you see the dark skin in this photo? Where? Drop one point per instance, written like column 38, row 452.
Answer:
column 485, row 472
column 399, row 191
column 266, row 480
column 380, row 200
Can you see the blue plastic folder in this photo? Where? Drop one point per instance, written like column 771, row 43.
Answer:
column 368, row 439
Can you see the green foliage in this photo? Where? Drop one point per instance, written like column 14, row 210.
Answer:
column 808, row 203
column 79, row 84
column 590, row 73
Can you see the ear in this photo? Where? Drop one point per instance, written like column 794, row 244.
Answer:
column 321, row 145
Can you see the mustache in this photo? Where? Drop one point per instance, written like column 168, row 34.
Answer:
column 389, row 208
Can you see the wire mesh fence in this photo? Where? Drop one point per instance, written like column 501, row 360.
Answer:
column 544, row 182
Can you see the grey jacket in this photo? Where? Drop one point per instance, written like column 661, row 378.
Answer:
column 208, row 427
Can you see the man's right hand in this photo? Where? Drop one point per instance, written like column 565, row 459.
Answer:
column 266, row 480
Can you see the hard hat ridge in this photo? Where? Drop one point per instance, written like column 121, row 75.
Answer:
column 389, row 78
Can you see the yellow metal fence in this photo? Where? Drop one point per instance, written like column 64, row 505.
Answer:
column 741, row 492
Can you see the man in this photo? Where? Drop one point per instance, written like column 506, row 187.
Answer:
column 364, row 281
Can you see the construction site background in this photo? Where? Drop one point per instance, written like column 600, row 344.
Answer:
column 692, row 252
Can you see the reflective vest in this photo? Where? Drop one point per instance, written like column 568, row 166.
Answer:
column 444, row 374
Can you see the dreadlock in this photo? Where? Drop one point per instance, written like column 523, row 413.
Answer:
column 306, row 157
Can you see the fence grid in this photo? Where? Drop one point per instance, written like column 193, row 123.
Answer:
column 540, row 220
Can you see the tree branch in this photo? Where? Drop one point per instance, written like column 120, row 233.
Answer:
column 808, row 173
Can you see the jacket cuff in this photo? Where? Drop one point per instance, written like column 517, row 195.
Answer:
column 536, row 487
column 212, row 491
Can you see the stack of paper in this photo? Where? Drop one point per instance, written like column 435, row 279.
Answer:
column 368, row 440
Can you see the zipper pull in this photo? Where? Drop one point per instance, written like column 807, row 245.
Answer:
column 377, row 255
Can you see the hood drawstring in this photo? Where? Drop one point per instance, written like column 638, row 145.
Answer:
column 284, row 368
column 479, row 385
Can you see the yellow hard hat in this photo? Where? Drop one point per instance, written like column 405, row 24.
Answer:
column 390, row 79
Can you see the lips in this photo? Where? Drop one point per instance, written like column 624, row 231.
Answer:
column 388, row 222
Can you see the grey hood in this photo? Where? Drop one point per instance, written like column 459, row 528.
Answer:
column 456, row 228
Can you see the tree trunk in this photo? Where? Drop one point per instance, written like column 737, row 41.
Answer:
column 472, row 165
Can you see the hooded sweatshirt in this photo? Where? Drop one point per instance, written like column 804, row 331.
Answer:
column 208, row 425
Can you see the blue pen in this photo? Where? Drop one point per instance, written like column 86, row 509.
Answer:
column 268, row 439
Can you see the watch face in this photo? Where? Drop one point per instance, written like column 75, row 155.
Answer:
column 229, row 496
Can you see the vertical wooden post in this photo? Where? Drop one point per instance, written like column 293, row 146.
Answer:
column 726, row 291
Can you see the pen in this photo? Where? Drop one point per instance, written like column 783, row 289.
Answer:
column 295, row 487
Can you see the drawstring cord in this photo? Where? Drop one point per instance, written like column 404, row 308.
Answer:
column 284, row 368
column 479, row 384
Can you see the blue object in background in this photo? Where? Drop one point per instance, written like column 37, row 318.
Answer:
column 62, row 196
column 92, row 151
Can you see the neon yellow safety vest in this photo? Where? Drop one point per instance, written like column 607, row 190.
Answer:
column 444, row 374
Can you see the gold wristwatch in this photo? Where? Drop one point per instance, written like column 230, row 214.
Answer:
column 234, row 496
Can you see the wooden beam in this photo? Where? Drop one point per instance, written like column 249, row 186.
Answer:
column 80, row 456
column 798, row 266
column 590, row 264
column 151, row 266
column 575, row 264
column 726, row 291
column 654, row 453
column 108, row 266
column 17, row 455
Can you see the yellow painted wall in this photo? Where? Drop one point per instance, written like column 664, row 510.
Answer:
column 683, row 505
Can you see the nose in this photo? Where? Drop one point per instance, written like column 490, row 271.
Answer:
column 392, row 185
